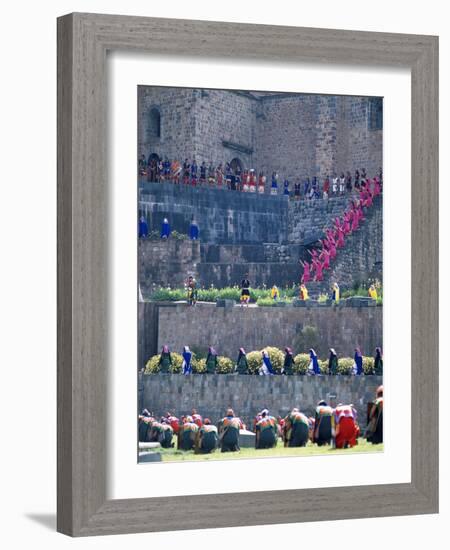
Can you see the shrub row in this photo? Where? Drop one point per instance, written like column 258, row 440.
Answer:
column 254, row 358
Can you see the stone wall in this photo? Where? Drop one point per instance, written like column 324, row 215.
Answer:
column 296, row 135
column 227, row 329
column 224, row 217
column 212, row 394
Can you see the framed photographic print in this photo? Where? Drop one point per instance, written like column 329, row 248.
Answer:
column 247, row 274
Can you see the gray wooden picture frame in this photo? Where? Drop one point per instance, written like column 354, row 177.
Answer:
column 83, row 41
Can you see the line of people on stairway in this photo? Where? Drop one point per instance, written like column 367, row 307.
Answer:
column 343, row 226
column 336, row 426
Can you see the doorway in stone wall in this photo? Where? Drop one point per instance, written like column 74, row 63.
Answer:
column 236, row 165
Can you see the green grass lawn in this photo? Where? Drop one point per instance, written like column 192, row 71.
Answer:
column 170, row 455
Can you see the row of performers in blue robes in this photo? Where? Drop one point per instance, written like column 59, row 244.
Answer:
column 165, row 229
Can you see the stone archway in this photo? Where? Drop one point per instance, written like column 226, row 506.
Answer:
column 237, row 165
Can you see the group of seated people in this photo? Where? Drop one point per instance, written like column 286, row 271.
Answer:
column 226, row 175
column 266, row 369
column 336, row 426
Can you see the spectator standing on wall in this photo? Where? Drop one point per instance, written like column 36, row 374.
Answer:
column 143, row 228
column 326, row 187
column 165, row 229
column 193, row 230
column 274, row 185
column 357, row 178
column 348, row 181
column 261, row 182
column 186, row 171
column 342, row 183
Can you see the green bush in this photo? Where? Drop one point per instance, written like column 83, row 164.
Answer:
column 345, row 365
column 255, row 360
column 322, row 298
column 152, row 366
column 178, row 236
column 301, row 363
column 323, row 365
column 368, row 365
column 225, row 365
column 265, row 302
column 198, row 365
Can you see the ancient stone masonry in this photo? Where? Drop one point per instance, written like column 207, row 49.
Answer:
column 295, row 135
column 255, row 328
column 212, row 394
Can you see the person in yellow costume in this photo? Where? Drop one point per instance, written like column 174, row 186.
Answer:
column 373, row 292
column 336, row 293
column 303, row 292
column 274, row 294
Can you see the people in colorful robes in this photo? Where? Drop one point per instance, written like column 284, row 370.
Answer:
column 378, row 362
column 346, row 427
column 323, row 424
column 274, row 293
column 372, row 292
column 261, row 182
column 207, row 438
column 274, row 184
column 358, row 364
column 145, row 423
column 242, row 363
column 211, row 174
column 193, row 230
column 186, row 367
column 374, row 431
column 303, row 292
column 186, row 171
column 336, row 295
column 266, row 431
column 197, row 418
column 333, row 362
column 306, row 277
column 313, row 368
column 165, row 229
column 288, row 364
column 165, row 360
column 286, row 188
column 176, row 171
column 194, row 172
column 187, row 434
column 202, row 173
column 245, row 291
column 266, row 369
column 219, row 176
column 229, row 429
column 143, row 228
column 174, row 422
column 211, row 361
column 296, row 429
column 192, row 291
column 162, row 433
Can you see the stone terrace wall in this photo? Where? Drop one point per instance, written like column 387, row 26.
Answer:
column 223, row 216
column 212, row 394
column 227, row 329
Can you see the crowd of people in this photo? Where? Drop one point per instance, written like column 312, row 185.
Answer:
column 335, row 236
column 165, row 362
column 336, row 426
column 225, row 175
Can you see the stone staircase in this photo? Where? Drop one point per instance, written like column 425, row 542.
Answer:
column 361, row 257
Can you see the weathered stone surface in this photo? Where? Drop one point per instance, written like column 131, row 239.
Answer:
column 149, row 456
column 147, row 445
column 246, row 439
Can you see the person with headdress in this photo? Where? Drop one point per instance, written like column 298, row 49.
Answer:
column 266, row 430
column 346, row 428
column 207, row 438
column 229, row 432
column 358, row 365
column 194, row 171
column 245, row 181
column 333, row 362
column 261, row 182
column 306, row 277
column 165, row 229
column 186, row 171
column 342, row 183
column 211, row 174
column 266, row 369
column 336, row 295
column 197, row 418
column 326, row 187
column 236, row 184
column 186, row 367
column 173, row 421
column 245, row 291
column 211, row 361
column 143, row 228
column 202, row 173
column 274, row 184
column 242, row 363
column 313, row 368
column 286, row 188
column 193, row 230
column 296, row 429
column 187, row 434
column 318, row 266
column 323, row 424
column 145, row 422
column 192, row 290
column 219, row 176
column 165, row 360
column 372, row 292
column 252, row 181
column 303, row 292
column 288, row 362
column 162, row 433
column 378, row 362
column 274, row 293
column 175, row 169
column 374, row 430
